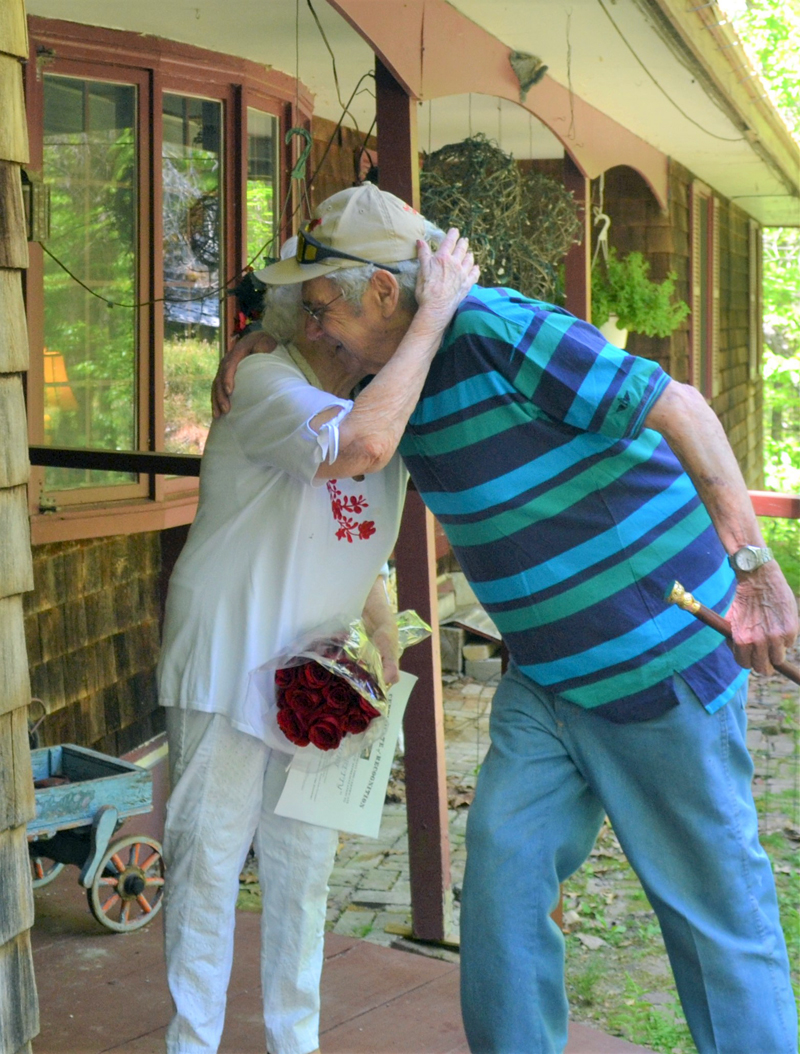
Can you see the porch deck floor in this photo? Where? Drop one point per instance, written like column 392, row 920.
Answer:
column 100, row 991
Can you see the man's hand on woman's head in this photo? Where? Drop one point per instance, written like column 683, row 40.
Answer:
column 445, row 276
column 223, row 384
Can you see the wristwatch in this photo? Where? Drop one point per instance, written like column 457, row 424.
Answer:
column 750, row 557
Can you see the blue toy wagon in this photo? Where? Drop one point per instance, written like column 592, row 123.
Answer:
column 82, row 797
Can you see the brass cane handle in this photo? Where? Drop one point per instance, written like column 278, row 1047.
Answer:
column 680, row 596
column 676, row 594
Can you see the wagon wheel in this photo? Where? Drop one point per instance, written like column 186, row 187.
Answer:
column 127, row 890
column 44, row 870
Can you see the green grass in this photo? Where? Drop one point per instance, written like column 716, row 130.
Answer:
column 662, row 1027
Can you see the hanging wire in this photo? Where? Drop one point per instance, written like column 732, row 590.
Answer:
column 344, row 106
column 683, row 113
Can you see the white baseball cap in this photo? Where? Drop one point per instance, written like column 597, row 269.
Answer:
column 360, row 225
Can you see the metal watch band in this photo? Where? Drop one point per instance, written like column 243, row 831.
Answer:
column 750, row 558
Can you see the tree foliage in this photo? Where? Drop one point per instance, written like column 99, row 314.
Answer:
column 771, row 30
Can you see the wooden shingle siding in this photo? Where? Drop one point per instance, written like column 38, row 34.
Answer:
column 638, row 224
column 91, row 625
column 19, row 1011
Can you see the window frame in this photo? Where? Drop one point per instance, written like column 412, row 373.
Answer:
column 705, row 293
column 34, row 282
column 154, row 66
column 755, row 278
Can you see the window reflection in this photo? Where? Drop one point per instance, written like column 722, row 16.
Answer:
column 262, row 185
column 90, row 349
column 192, row 222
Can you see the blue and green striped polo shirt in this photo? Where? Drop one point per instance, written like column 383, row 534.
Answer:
column 568, row 516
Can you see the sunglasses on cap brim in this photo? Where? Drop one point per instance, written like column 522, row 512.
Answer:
column 310, row 251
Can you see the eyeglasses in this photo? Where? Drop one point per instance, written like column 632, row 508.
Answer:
column 309, row 250
column 317, row 312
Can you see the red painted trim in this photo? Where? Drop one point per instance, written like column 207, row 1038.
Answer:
column 103, row 521
column 94, row 43
column 783, row 506
column 578, row 263
column 415, row 555
column 433, row 50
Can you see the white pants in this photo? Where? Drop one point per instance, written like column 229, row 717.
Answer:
column 225, row 786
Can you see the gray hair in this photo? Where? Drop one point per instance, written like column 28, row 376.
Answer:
column 281, row 308
column 353, row 281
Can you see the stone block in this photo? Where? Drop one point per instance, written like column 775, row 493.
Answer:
column 451, row 640
column 480, row 651
column 485, row 670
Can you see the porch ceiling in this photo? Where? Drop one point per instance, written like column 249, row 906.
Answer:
column 657, row 68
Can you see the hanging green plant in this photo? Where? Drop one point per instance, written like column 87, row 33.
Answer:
column 519, row 225
column 622, row 287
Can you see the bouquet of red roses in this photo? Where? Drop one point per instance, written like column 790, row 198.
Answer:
column 320, row 707
column 327, row 689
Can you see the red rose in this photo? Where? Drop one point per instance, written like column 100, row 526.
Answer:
column 293, row 727
column 326, row 733
column 339, row 697
column 285, row 677
column 315, row 676
column 356, row 721
column 296, row 697
column 368, row 708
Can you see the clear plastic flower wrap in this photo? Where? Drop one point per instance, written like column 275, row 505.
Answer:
column 326, row 689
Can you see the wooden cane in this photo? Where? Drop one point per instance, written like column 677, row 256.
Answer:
column 678, row 595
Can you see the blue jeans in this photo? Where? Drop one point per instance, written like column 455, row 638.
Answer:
column 677, row 791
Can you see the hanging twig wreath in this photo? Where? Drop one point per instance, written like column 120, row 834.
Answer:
column 520, row 226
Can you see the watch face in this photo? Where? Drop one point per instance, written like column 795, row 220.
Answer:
column 746, row 559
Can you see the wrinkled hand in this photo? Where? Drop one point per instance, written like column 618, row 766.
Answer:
column 445, row 277
column 763, row 618
column 385, row 640
column 223, row 383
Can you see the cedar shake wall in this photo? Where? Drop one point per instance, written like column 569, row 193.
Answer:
column 91, row 625
column 638, row 224
column 340, row 167
column 19, row 1010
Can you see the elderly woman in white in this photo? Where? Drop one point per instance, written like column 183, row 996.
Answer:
column 283, row 541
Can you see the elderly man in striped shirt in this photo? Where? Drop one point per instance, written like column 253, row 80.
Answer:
column 575, row 482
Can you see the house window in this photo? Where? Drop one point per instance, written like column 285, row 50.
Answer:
column 755, row 310
column 262, row 184
column 90, row 163
column 705, row 291
column 163, row 163
column 193, row 263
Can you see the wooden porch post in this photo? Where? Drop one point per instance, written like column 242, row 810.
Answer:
column 19, row 1011
column 578, row 263
column 426, row 790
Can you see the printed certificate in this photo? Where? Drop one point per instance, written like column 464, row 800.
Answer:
column 347, row 794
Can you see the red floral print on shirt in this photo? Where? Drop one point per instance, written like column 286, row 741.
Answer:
column 344, row 508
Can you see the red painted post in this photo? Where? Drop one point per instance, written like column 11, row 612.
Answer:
column 426, row 789
column 578, row 262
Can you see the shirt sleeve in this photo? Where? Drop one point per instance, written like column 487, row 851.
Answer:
column 568, row 371
column 271, row 407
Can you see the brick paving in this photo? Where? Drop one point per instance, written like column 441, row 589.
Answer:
column 370, row 890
